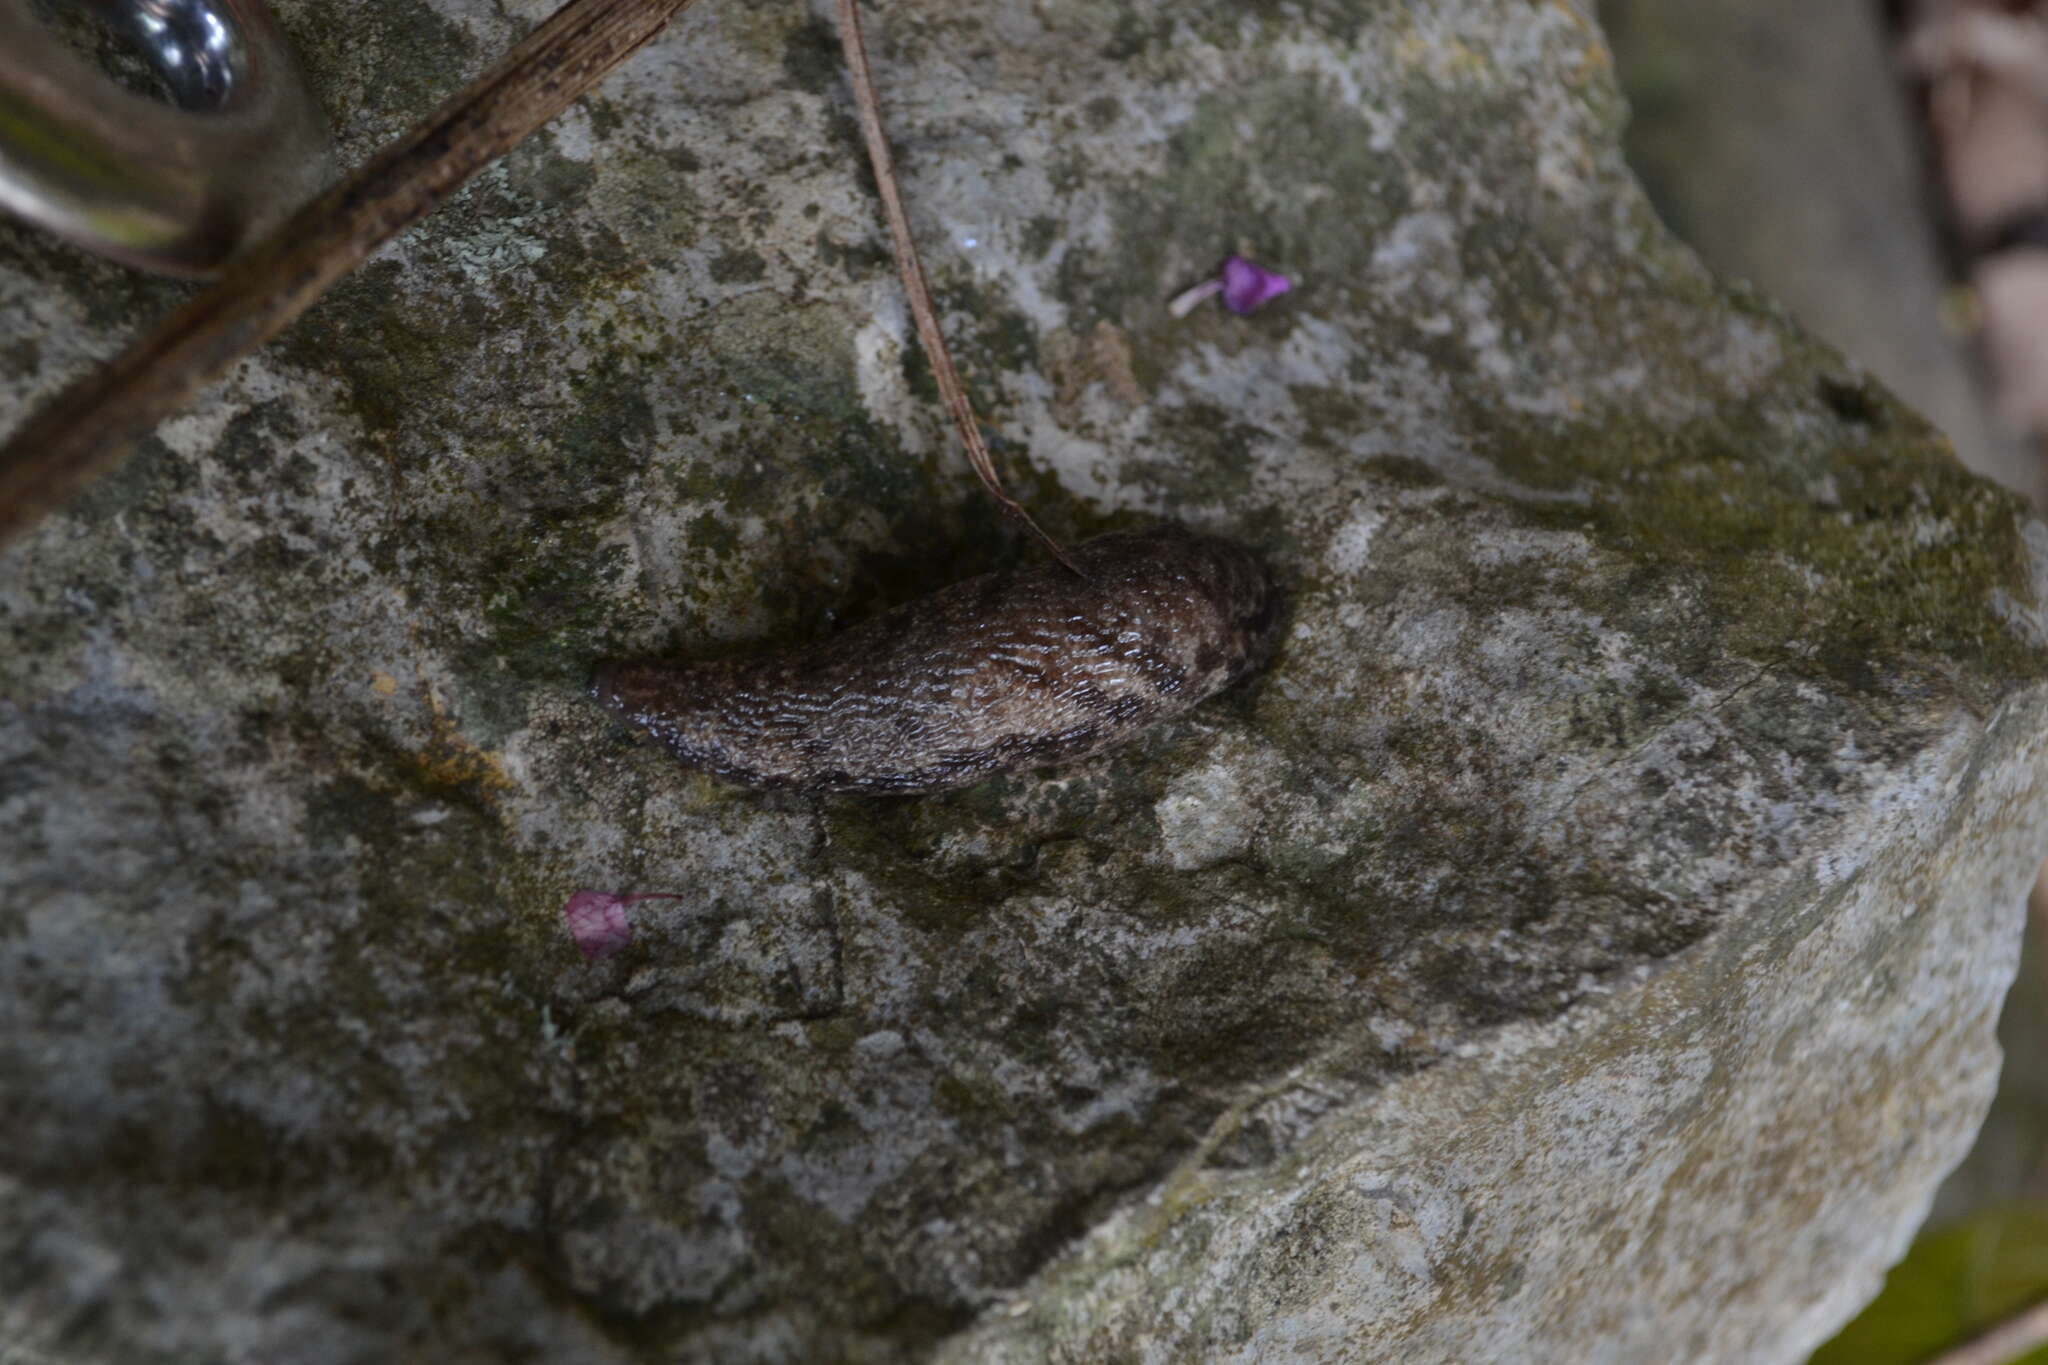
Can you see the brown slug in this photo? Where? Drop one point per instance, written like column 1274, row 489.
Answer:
column 1000, row 672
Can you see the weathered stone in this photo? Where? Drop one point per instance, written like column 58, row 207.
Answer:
column 1585, row 934
column 1739, row 115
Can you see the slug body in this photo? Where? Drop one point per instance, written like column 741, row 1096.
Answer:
column 990, row 675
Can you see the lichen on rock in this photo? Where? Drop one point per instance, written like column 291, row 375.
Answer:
column 1586, row 933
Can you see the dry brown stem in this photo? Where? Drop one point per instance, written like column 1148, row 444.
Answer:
column 911, row 268
column 2023, row 1332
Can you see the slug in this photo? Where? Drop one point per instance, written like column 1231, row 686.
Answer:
column 997, row 673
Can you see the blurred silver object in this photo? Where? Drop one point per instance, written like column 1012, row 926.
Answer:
column 177, row 189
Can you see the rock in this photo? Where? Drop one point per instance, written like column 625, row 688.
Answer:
column 1586, row 933
column 1739, row 112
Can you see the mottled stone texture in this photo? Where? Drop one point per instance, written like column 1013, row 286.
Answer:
column 1582, row 941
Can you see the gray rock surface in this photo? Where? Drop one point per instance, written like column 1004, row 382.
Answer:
column 1586, row 934
column 1739, row 116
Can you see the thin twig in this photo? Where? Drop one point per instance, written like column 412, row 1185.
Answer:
column 908, row 265
column 2008, row 1341
column 88, row 428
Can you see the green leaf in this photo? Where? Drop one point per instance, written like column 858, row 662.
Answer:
column 1954, row 1283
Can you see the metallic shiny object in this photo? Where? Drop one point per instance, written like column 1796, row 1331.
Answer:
column 177, row 189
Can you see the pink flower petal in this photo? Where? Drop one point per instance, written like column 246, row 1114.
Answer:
column 1246, row 285
column 597, row 920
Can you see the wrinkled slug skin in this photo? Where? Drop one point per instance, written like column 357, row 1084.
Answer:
column 994, row 674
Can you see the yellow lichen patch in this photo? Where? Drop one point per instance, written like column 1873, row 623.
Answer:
column 1075, row 364
column 451, row 759
column 1110, row 351
column 1449, row 59
column 1595, row 60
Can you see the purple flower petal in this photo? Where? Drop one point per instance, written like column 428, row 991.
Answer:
column 1246, row 285
column 597, row 920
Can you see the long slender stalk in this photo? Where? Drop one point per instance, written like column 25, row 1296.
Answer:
column 951, row 390
column 2019, row 1334
column 91, row 426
